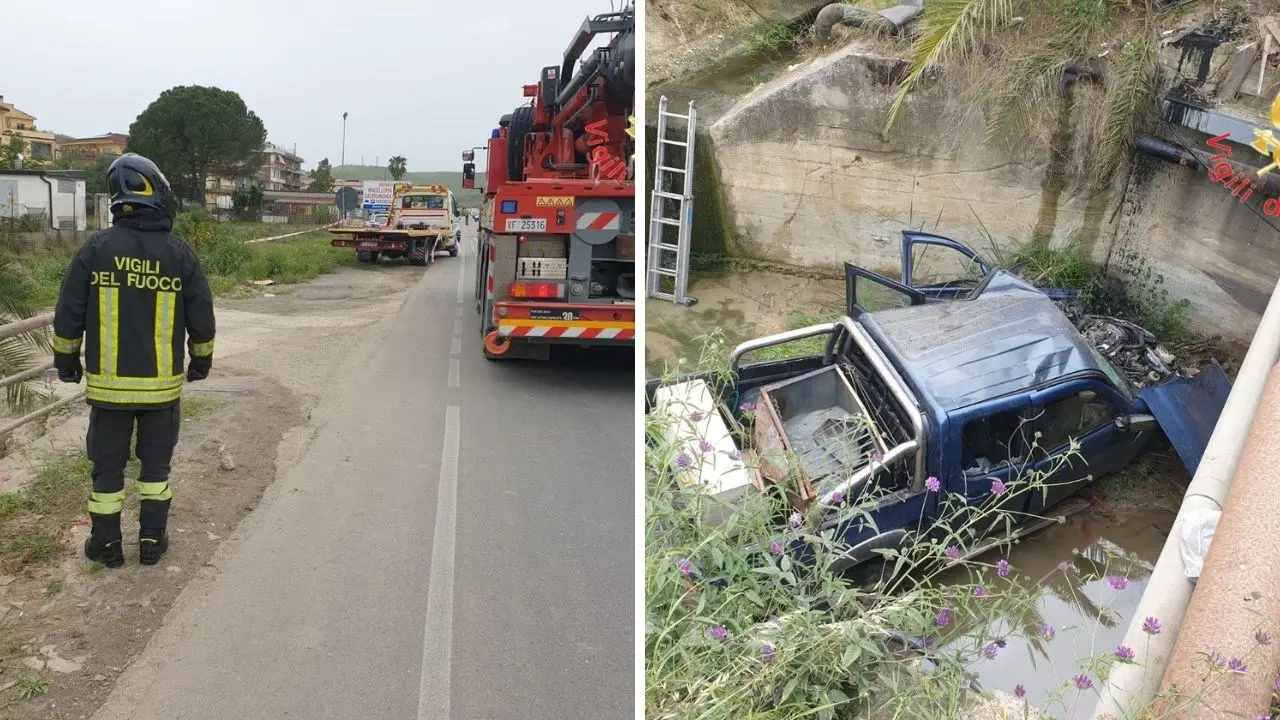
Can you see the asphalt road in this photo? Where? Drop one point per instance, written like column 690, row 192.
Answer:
column 456, row 543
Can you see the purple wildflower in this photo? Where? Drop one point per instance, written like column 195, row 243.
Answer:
column 719, row 632
column 767, row 654
column 952, row 552
column 1047, row 631
column 704, row 446
column 931, row 484
column 1002, row 568
column 1002, row 643
column 1262, row 637
column 1217, row 660
column 697, row 416
column 685, row 566
column 926, row 642
column 775, row 548
column 796, row 520
column 1083, row 682
column 735, row 454
column 944, row 617
column 1019, row 691
column 998, row 488
column 837, row 497
column 1124, row 653
column 1118, row 582
column 979, row 592
column 1151, row 626
column 1237, row 666
column 990, row 651
column 748, row 406
column 682, row 461
column 877, row 456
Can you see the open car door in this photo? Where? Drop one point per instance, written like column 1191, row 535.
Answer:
column 865, row 291
column 940, row 268
column 1187, row 410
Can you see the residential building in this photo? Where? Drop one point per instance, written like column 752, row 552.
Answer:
column 92, row 147
column 32, row 193
column 281, row 170
column 36, row 144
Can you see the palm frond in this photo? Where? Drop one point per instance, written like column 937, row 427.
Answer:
column 18, row 354
column 1132, row 89
column 950, row 28
column 1034, row 93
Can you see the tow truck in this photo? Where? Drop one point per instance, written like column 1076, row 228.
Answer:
column 556, row 230
column 419, row 223
column 947, row 394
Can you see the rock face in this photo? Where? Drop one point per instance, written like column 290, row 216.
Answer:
column 809, row 181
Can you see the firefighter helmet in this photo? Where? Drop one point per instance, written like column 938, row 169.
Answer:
column 135, row 182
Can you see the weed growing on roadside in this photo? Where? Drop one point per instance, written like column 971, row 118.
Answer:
column 31, row 687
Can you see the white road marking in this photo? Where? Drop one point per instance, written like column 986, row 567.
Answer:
column 456, row 348
column 455, row 372
column 457, row 311
column 457, row 326
column 462, row 274
column 437, row 640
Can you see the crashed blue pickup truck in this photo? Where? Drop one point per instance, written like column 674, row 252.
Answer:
column 968, row 381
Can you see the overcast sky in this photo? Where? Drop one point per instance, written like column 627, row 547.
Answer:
column 420, row 78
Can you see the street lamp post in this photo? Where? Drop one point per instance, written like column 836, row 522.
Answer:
column 343, row 160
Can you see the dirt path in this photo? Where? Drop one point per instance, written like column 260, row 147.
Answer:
column 67, row 630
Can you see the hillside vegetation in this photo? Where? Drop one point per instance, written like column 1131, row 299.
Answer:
column 452, row 179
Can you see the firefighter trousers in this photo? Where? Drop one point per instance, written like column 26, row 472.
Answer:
column 107, row 443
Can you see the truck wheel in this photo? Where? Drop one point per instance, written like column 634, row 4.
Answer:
column 521, row 125
column 364, row 257
column 453, row 251
column 418, row 257
column 373, row 257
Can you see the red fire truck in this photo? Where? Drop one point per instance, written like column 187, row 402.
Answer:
column 556, row 238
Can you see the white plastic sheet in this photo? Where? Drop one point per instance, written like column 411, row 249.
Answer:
column 1194, row 539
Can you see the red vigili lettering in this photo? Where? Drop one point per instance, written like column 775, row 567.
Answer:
column 597, row 132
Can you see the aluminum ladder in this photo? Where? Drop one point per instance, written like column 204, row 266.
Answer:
column 671, row 211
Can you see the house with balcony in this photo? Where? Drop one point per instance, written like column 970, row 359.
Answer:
column 281, row 170
column 36, row 144
column 92, row 147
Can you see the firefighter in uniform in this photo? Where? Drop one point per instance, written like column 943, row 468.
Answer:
column 132, row 293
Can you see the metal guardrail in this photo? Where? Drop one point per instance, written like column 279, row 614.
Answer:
column 13, row 329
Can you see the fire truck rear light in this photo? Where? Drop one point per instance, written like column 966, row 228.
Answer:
column 540, row 291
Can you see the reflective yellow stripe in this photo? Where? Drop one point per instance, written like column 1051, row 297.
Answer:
column 108, row 329
column 133, row 397
column 201, row 349
column 66, row 346
column 106, row 503
column 106, row 382
column 164, row 333
column 154, row 490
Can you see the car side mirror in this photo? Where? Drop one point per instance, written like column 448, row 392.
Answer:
column 1136, row 423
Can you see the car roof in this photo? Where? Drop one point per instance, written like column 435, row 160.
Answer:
column 1010, row 337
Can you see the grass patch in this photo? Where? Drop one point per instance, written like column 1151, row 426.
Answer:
column 796, row 348
column 229, row 261
column 196, row 407
column 32, row 687
column 33, row 519
column 772, row 39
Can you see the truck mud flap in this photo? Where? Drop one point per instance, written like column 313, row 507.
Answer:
column 1188, row 410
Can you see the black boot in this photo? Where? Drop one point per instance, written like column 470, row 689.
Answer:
column 104, row 544
column 151, row 545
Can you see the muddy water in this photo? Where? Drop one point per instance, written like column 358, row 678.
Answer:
column 719, row 88
column 1073, row 562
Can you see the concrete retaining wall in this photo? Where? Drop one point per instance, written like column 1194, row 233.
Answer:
column 809, row 181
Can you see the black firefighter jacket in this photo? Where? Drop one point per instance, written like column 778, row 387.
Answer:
column 132, row 293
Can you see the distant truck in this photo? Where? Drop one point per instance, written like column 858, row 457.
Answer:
column 953, row 390
column 420, row 222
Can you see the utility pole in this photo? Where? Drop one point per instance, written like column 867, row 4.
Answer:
column 343, row 161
